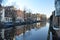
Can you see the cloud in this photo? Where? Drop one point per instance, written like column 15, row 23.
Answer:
column 17, row 3
column 8, row 2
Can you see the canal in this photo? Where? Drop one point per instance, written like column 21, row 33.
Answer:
column 36, row 31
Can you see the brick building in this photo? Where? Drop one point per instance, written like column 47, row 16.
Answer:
column 20, row 15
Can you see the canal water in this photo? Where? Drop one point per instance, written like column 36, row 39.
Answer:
column 36, row 31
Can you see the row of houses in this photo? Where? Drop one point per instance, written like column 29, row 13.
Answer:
column 7, row 13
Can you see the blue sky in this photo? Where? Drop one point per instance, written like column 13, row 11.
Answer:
column 36, row 6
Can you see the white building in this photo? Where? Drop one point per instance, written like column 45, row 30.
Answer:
column 6, row 13
column 3, row 18
column 2, row 13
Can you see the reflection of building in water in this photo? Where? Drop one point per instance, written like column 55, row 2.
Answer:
column 19, row 30
column 42, row 24
column 34, row 26
column 25, row 28
column 38, row 25
column 22, row 29
column 9, row 33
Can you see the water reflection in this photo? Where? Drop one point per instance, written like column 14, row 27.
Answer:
column 27, row 31
column 25, row 28
column 41, row 24
column 34, row 31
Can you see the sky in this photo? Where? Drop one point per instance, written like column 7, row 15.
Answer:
column 36, row 6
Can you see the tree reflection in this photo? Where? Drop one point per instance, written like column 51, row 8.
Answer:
column 28, row 27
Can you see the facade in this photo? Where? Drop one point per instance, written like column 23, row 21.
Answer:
column 10, row 12
column 20, row 15
column 57, row 13
column 7, row 13
column 28, row 16
column 57, row 7
column 56, row 18
column 38, row 17
column 55, row 21
column 34, row 17
column 43, row 17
